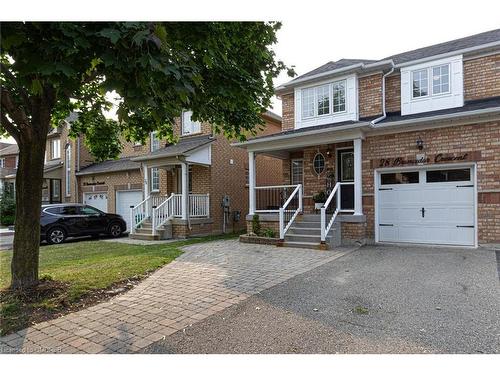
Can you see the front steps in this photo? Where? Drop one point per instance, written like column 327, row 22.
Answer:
column 145, row 232
column 305, row 232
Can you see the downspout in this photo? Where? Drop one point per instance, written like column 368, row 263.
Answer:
column 384, row 114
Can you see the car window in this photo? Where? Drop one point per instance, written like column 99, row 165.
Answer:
column 69, row 210
column 53, row 210
column 87, row 210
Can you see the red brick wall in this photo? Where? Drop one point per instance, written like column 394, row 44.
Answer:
column 10, row 161
column 480, row 141
column 370, row 95
column 288, row 111
column 393, row 93
column 482, row 77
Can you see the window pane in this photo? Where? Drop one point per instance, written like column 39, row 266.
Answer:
column 319, row 163
column 188, row 125
column 323, row 93
column 399, row 178
column 54, row 210
column 69, row 210
column 307, row 103
column 155, row 142
column 297, row 172
column 89, row 211
column 420, row 83
column 339, row 96
column 155, row 179
column 440, row 79
column 448, row 175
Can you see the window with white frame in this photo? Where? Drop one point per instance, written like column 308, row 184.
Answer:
column 55, row 149
column 155, row 141
column 155, row 179
column 68, row 170
column 431, row 81
column 324, row 100
column 420, row 83
column 188, row 125
column 2, row 163
column 441, row 79
column 297, row 171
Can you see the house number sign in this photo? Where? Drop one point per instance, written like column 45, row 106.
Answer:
column 421, row 159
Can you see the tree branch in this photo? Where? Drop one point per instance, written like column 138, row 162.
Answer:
column 12, row 77
column 15, row 112
column 10, row 127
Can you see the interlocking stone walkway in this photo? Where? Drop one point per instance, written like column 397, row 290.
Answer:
column 207, row 278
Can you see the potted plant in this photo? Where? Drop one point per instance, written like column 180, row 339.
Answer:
column 319, row 199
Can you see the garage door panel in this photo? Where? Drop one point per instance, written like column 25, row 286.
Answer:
column 97, row 200
column 448, row 218
column 125, row 199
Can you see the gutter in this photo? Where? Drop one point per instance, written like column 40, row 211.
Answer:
column 384, row 114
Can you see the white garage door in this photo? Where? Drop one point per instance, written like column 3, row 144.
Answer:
column 125, row 199
column 435, row 206
column 97, row 200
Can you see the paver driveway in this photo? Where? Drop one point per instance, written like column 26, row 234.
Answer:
column 207, row 278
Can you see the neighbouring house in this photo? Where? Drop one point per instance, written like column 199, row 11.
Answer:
column 406, row 150
column 8, row 166
column 194, row 187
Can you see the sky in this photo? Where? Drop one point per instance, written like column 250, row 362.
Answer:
column 314, row 33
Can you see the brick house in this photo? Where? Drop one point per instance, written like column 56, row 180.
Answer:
column 405, row 149
column 176, row 190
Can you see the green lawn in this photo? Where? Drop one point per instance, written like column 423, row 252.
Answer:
column 82, row 268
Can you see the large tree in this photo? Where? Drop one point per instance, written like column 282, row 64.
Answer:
column 223, row 72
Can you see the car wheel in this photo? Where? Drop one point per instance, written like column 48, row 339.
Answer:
column 115, row 230
column 56, row 236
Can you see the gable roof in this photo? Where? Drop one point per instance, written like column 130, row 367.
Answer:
column 123, row 164
column 485, row 40
column 11, row 149
column 181, row 148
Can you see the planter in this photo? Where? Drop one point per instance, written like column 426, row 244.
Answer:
column 317, row 206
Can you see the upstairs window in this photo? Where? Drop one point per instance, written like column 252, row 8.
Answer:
column 431, row 81
column 420, row 83
column 55, row 149
column 324, row 100
column 441, row 79
column 155, row 142
column 2, row 163
column 189, row 126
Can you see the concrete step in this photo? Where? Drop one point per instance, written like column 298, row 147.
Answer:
column 306, row 224
column 149, row 230
column 310, row 218
column 305, row 245
column 304, row 230
column 144, row 236
column 304, row 238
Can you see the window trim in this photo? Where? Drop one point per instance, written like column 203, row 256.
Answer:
column 152, row 140
column 153, row 189
column 183, row 123
column 331, row 111
column 291, row 170
column 2, row 162
column 324, row 163
column 430, row 86
column 52, row 148
column 67, row 174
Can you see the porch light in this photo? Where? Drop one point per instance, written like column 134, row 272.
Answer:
column 420, row 144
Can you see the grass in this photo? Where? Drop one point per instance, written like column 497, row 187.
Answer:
column 75, row 275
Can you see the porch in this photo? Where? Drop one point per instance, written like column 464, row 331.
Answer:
column 175, row 201
column 321, row 195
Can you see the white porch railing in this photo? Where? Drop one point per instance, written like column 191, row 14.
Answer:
column 331, row 209
column 271, row 198
column 290, row 209
column 162, row 213
column 140, row 213
column 199, row 205
column 177, row 205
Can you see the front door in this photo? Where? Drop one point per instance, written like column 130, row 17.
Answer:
column 345, row 173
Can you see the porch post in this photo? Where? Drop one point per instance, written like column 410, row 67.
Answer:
column 146, row 180
column 358, row 180
column 185, row 193
column 251, row 183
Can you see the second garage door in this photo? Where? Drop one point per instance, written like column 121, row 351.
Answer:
column 435, row 206
column 125, row 199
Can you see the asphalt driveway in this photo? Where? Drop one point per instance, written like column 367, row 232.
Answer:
column 374, row 300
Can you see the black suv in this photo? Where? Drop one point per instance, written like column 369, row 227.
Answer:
column 60, row 221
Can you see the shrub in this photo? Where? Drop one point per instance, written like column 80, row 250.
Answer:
column 269, row 232
column 320, row 197
column 7, row 208
column 256, row 224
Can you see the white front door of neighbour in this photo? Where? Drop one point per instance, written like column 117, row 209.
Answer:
column 97, row 200
column 125, row 199
column 434, row 206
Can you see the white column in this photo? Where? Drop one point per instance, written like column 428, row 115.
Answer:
column 145, row 172
column 185, row 192
column 358, row 180
column 251, row 182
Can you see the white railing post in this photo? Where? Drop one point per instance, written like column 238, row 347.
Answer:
column 251, row 183
column 282, row 223
column 208, row 205
column 185, row 193
column 300, row 197
column 132, row 220
column 358, row 180
column 323, row 224
column 153, row 220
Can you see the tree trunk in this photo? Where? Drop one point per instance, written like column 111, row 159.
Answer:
column 29, row 181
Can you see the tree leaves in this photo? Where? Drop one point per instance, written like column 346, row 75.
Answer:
column 112, row 34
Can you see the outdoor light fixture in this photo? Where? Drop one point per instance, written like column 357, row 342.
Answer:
column 420, row 144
